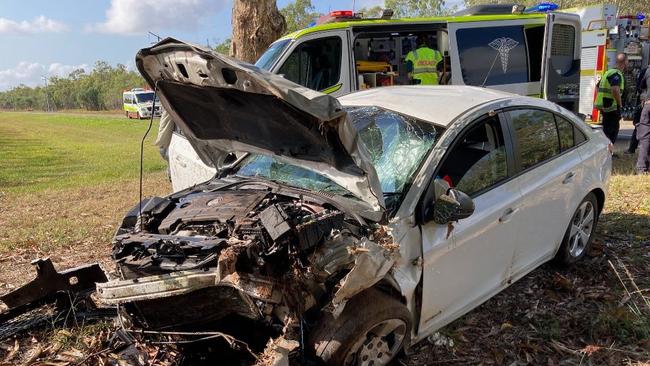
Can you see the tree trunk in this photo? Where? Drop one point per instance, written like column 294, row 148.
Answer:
column 255, row 25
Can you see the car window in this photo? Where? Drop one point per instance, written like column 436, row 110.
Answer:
column 397, row 144
column 478, row 161
column 271, row 168
column 535, row 136
column 565, row 130
column 492, row 55
column 570, row 135
column 315, row 64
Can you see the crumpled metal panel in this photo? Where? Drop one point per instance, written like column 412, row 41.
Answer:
column 184, row 282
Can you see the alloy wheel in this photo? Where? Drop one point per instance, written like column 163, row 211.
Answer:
column 581, row 227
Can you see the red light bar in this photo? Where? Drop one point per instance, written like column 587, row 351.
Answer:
column 342, row 13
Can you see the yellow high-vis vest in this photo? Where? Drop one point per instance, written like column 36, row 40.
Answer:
column 425, row 65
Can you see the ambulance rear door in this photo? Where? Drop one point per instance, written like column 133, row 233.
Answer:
column 561, row 60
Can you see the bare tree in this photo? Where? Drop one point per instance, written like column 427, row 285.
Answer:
column 255, row 24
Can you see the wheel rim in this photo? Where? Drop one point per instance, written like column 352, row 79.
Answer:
column 378, row 345
column 581, row 227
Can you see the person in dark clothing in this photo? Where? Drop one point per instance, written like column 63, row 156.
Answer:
column 644, row 94
column 609, row 97
column 642, row 131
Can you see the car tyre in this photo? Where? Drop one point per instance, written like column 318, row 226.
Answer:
column 579, row 235
column 371, row 330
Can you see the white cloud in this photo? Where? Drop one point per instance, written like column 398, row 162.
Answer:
column 40, row 24
column 30, row 73
column 130, row 17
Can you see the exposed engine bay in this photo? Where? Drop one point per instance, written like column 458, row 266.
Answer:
column 247, row 255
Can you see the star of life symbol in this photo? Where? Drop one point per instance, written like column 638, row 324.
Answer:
column 503, row 46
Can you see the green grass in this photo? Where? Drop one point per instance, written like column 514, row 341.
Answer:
column 50, row 150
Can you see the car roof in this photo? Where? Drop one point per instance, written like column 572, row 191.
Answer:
column 405, row 21
column 439, row 105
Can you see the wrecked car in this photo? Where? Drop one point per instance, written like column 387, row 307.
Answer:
column 345, row 230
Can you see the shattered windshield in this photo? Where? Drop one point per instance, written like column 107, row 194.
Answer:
column 265, row 166
column 271, row 55
column 397, row 144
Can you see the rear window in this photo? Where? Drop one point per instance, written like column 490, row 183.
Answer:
column 493, row 55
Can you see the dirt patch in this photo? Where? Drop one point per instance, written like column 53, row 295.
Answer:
column 71, row 226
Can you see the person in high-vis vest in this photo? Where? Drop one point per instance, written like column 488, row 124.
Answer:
column 608, row 98
column 422, row 63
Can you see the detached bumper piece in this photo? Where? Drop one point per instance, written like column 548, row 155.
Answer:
column 50, row 295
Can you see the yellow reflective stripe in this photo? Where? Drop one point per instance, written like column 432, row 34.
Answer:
column 332, row 89
column 424, row 70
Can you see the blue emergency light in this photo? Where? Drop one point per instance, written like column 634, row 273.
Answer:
column 542, row 8
column 640, row 16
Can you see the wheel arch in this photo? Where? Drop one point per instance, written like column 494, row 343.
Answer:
column 600, row 198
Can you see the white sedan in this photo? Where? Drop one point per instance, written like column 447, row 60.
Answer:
column 351, row 227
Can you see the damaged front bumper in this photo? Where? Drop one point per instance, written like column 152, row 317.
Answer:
column 184, row 282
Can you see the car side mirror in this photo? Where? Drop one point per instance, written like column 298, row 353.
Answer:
column 452, row 205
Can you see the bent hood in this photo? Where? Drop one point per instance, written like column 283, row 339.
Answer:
column 223, row 105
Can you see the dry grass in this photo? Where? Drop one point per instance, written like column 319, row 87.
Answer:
column 576, row 316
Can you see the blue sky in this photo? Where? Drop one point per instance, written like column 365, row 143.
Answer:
column 53, row 37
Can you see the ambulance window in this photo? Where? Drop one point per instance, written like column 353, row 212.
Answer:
column 535, row 43
column 315, row 64
column 492, row 55
column 562, row 46
column 270, row 56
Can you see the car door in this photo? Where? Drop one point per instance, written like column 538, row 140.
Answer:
column 547, row 175
column 185, row 167
column 467, row 262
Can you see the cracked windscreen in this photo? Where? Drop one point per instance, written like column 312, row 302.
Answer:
column 264, row 166
column 397, row 144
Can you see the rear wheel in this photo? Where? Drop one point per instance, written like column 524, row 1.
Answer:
column 579, row 234
column 371, row 330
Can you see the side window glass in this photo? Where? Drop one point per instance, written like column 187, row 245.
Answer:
column 536, row 136
column 578, row 136
column 315, row 64
column 492, row 55
column 478, row 161
column 566, row 132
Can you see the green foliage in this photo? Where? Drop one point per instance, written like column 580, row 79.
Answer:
column 223, row 47
column 100, row 89
column 299, row 14
column 372, row 12
column 416, row 8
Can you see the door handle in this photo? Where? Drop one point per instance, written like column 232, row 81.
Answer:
column 507, row 214
column 568, row 178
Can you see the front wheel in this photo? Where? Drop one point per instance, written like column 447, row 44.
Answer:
column 579, row 234
column 371, row 330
